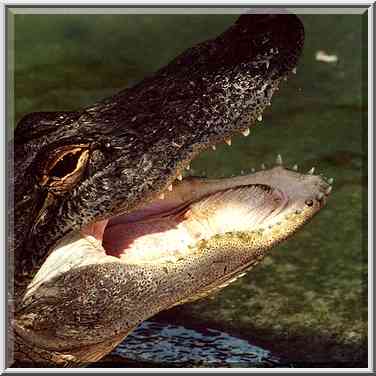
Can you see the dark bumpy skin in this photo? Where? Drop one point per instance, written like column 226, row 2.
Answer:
column 139, row 138
column 73, row 170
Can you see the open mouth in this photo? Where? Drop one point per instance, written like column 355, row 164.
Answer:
column 196, row 209
column 271, row 203
column 169, row 229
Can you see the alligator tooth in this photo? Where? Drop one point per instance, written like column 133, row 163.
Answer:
column 263, row 167
column 171, row 259
column 320, row 196
column 311, row 171
column 246, row 132
column 278, row 160
column 180, row 177
column 213, row 147
column 259, row 118
column 228, row 141
column 267, row 64
column 187, row 215
column 295, row 167
column 294, row 70
column 252, row 169
column 161, row 196
column 328, row 190
column 330, row 181
column 170, row 187
column 188, row 167
column 285, row 78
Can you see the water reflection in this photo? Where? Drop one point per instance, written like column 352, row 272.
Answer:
column 169, row 345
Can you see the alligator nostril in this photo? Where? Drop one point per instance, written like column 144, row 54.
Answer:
column 309, row 202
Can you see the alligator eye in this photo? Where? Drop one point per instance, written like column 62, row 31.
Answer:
column 64, row 167
column 309, row 202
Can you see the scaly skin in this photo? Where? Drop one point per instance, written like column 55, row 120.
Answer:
column 73, row 302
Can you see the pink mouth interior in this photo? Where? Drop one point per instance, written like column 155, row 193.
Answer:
column 160, row 231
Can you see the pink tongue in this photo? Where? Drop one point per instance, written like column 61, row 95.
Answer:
column 150, row 238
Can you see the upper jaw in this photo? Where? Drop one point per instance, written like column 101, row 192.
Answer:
column 229, row 82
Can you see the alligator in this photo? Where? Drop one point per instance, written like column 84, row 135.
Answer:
column 104, row 230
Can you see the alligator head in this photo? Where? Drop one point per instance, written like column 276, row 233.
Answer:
column 107, row 233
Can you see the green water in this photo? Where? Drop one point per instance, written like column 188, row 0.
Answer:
column 307, row 301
